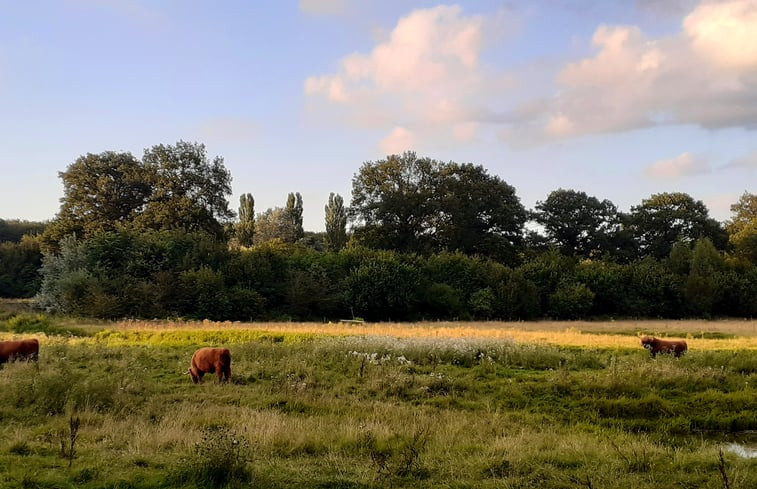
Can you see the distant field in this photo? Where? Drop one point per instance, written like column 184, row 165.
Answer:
column 729, row 334
column 427, row 405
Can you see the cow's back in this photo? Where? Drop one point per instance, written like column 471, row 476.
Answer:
column 27, row 349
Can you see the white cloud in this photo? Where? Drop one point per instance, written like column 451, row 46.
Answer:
column 682, row 165
column 424, row 76
column 702, row 75
column 427, row 76
column 725, row 32
column 398, row 141
column 323, row 7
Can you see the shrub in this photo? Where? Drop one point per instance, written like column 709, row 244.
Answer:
column 219, row 459
column 570, row 301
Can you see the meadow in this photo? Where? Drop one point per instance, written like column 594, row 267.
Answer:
column 442, row 405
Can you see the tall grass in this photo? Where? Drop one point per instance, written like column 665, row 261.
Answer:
column 308, row 409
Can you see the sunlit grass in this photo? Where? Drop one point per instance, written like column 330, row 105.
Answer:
column 490, row 405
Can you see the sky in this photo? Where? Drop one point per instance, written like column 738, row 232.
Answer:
column 621, row 99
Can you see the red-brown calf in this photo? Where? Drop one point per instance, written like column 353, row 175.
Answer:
column 19, row 350
column 208, row 361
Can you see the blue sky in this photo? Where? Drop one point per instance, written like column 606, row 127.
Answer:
column 618, row 99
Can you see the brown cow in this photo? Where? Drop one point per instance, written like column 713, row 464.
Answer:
column 19, row 350
column 656, row 345
column 208, row 361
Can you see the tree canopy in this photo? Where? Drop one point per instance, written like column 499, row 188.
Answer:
column 421, row 205
column 742, row 228
column 336, row 223
column 578, row 224
column 173, row 187
column 245, row 228
column 665, row 218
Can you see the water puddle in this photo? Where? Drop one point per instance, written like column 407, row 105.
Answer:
column 741, row 450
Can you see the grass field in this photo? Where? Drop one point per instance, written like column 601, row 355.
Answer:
column 450, row 405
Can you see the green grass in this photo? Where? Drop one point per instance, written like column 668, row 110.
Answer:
column 310, row 411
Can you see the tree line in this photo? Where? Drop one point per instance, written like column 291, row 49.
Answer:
column 438, row 240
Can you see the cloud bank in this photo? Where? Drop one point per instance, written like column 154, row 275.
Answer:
column 427, row 78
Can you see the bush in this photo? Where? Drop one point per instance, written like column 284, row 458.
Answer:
column 570, row 301
column 442, row 301
column 219, row 460
column 481, row 303
column 37, row 323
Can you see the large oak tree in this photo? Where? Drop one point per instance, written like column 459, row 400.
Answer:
column 173, row 187
column 420, row 205
column 666, row 218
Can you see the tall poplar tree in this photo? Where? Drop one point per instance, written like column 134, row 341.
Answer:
column 294, row 214
column 336, row 223
column 245, row 228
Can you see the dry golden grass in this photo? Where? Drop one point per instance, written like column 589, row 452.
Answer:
column 611, row 334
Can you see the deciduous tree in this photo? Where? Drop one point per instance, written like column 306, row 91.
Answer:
column 578, row 224
column 293, row 212
column 100, row 192
column 663, row 219
column 245, row 228
column 742, row 228
column 412, row 204
column 188, row 190
column 336, row 223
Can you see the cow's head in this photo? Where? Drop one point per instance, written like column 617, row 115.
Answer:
column 647, row 342
column 193, row 373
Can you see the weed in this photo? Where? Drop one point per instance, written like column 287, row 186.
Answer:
column 20, row 448
column 68, row 439
column 721, row 469
column 219, row 459
column 398, row 457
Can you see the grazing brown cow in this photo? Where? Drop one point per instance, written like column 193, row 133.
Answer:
column 208, row 361
column 656, row 345
column 19, row 350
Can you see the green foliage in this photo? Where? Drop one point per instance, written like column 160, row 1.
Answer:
column 38, row 323
column 479, row 214
column 188, row 190
column 742, row 228
column 420, row 205
column 19, row 267
column 442, row 301
column 100, row 192
column 14, row 230
column 274, row 224
column 666, row 218
column 609, row 283
column 245, row 228
column 481, row 303
column 517, row 298
column 702, row 288
column 384, row 412
column 171, row 273
column 202, row 294
column 679, row 260
column 219, row 459
column 293, row 215
column 570, row 301
column 382, row 287
column 336, row 223
column 578, row 224
column 173, row 187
